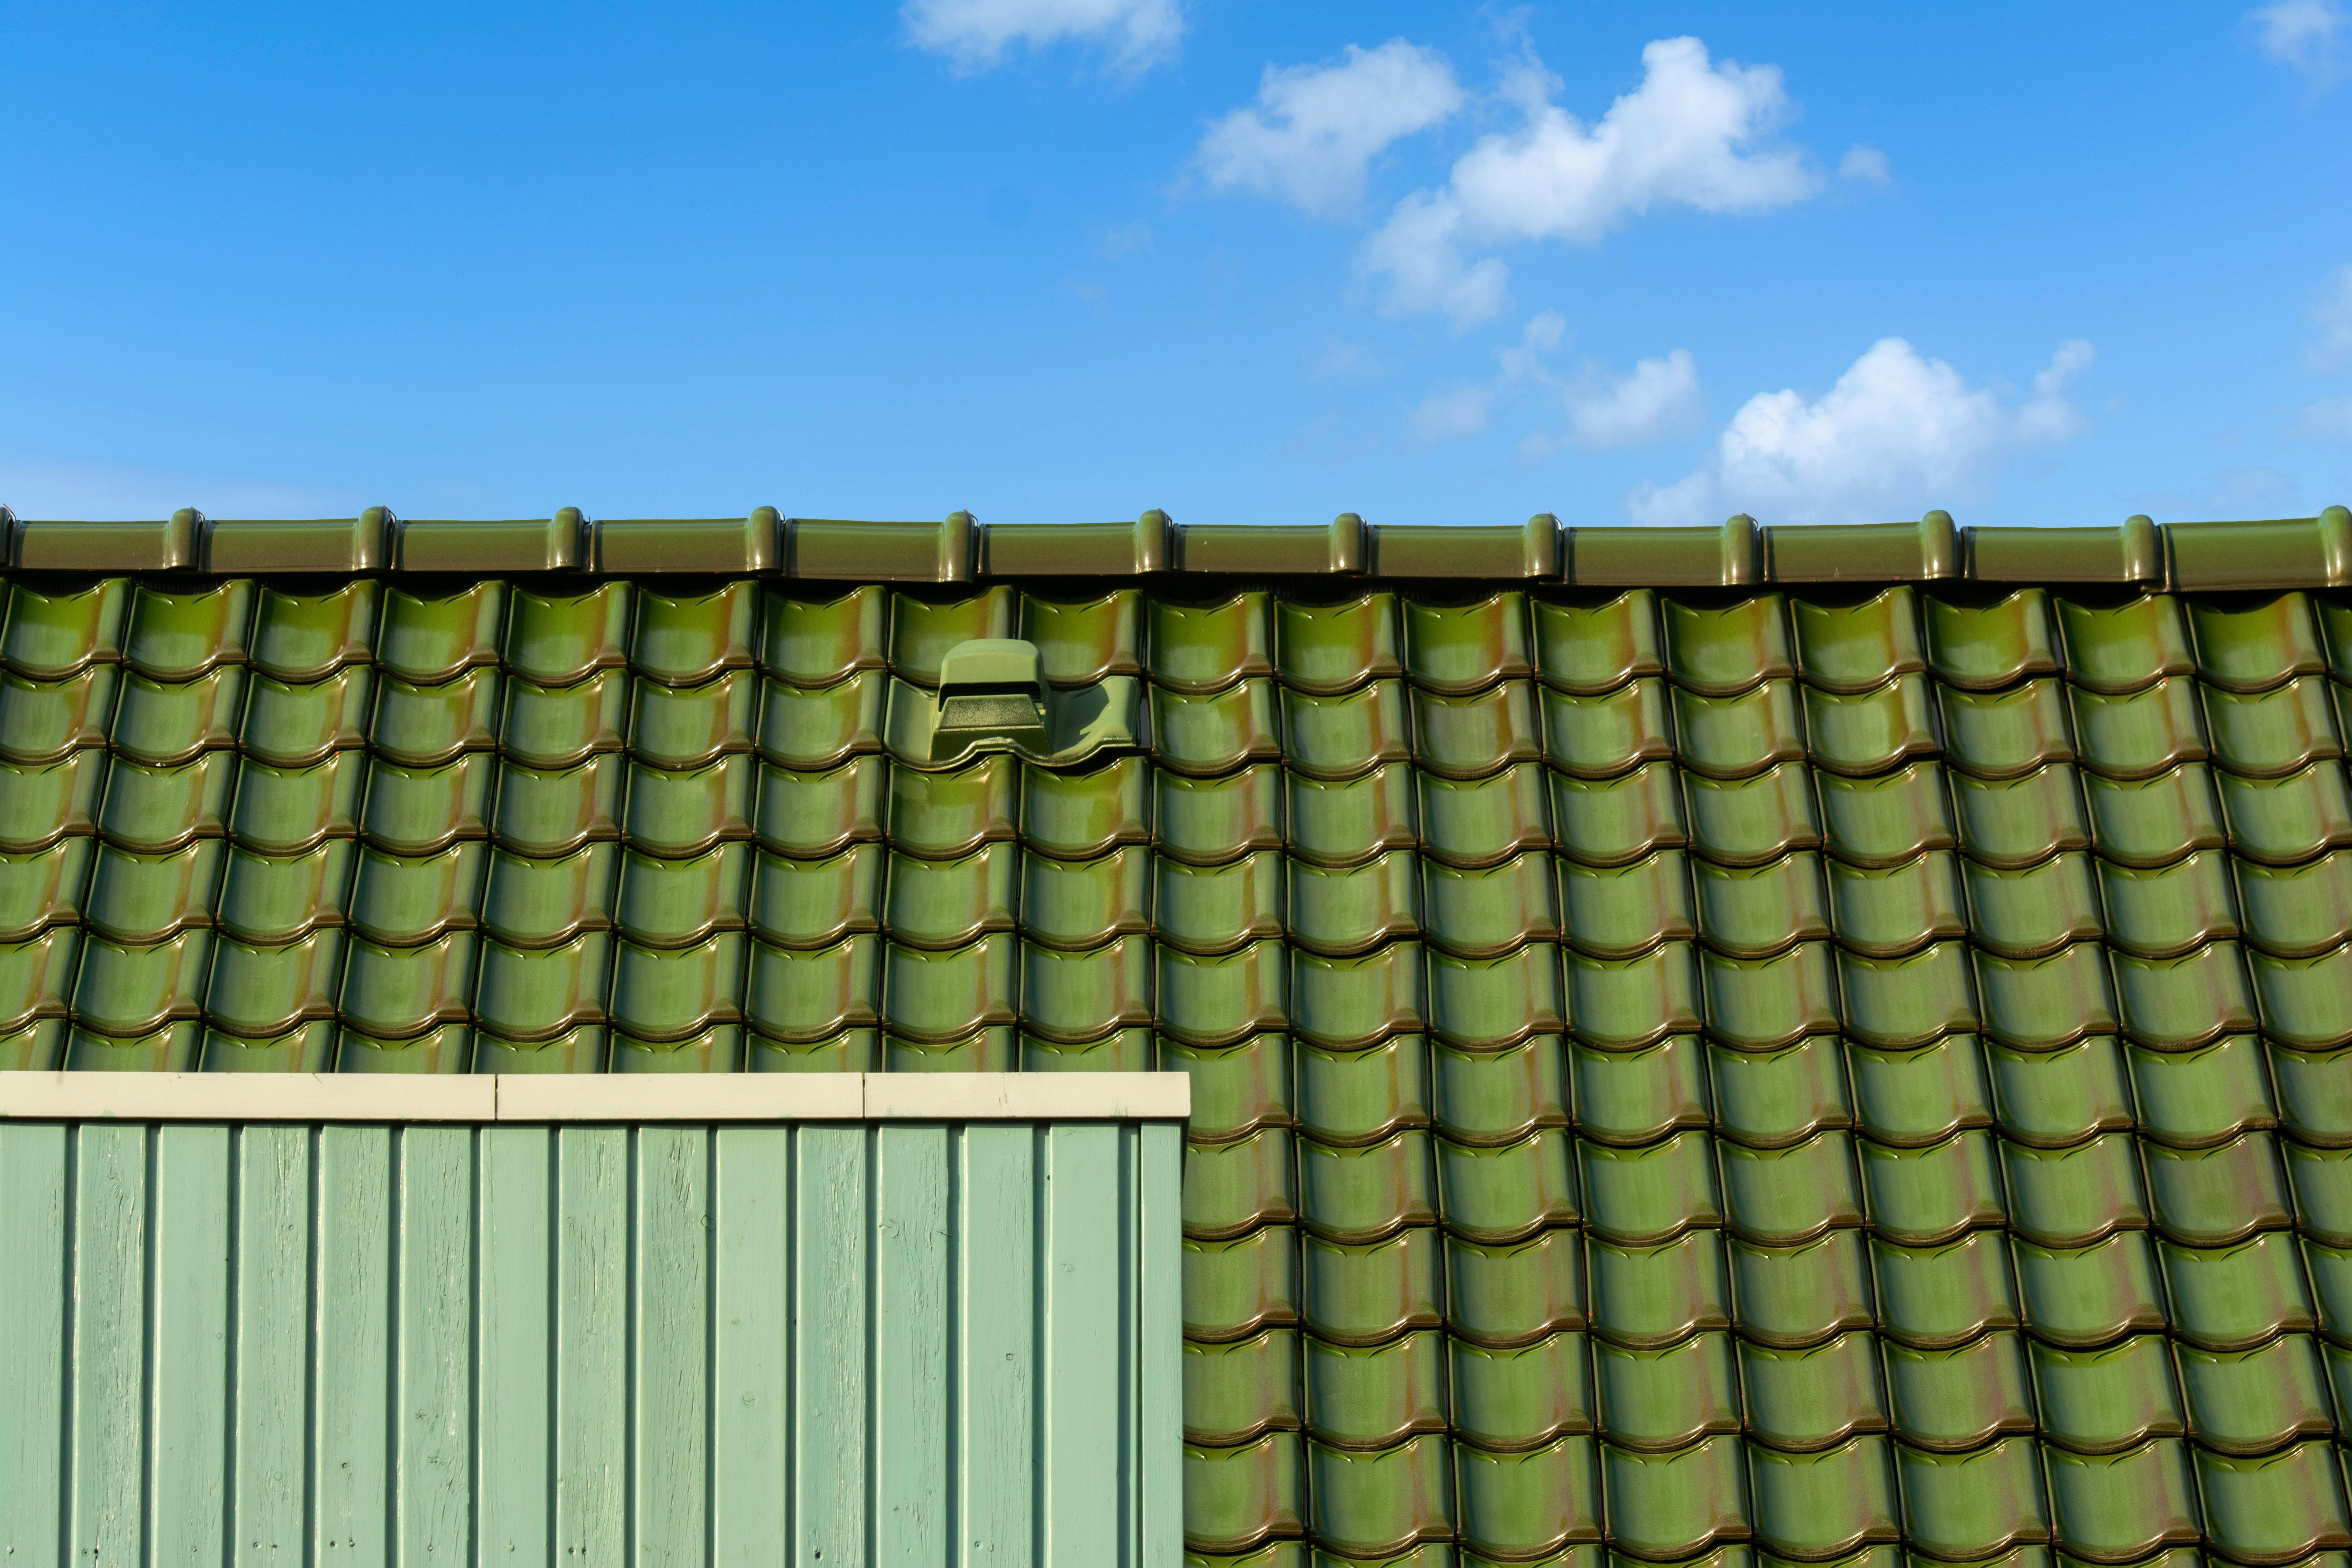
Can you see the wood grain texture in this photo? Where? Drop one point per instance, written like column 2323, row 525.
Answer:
column 412, row 1346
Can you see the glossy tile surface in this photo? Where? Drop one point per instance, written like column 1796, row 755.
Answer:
column 1814, row 1073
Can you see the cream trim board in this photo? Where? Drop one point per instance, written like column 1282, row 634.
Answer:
column 591, row 1097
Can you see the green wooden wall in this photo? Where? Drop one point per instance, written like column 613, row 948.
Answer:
column 827, row 1345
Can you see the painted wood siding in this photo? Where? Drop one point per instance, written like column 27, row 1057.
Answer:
column 364, row 1346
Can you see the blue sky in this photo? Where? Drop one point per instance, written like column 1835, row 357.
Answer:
column 1066, row 259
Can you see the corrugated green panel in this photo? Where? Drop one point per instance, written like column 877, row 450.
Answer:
column 905, row 1343
column 36, row 1241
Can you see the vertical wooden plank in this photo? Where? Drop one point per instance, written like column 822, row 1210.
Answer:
column 830, row 1302
column 1160, row 1349
column 673, row 1327
column 996, row 1396
column 33, row 1290
column 435, row 1335
column 352, row 1383
column 515, row 1415
column 108, row 1373
column 592, row 1346
column 1084, row 1396
column 751, row 1344
column 187, row 1501
column 270, row 1447
column 911, row 1307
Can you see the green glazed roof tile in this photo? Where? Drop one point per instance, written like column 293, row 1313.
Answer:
column 1502, row 1295
column 1506, row 1193
column 808, row 728
column 1375, row 1396
column 1470, row 737
column 1747, row 822
column 300, row 637
column 2154, row 821
column 2115, row 1508
column 2257, row 647
column 1480, row 821
column 120, row 989
column 174, row 635
column 161, row 723
column 1367, row 1295
column 2006, row 734
column 1804, row 1401
column 1368, row 1192
column 1600, row 736
column 1899, row 1002
column 294, row 725
column 2230, row 1297
column 1232, row 1189
column 2195, row 1099
column 1507, row 1401
column 1630, row 1098
column 41, row 720
column 55, row 633
column 2296, row 911
column 2211, row 1197
column 1899, row 908
column 1235, row 1498
column 1519, row 1505
column 42, row 887
column 1465, row 648
column 1786, row 1196
column 1948, row 1400
column 1343, row 822
column 2124, row 645
column 1980, row 646
column 1363, row 1096
column 1921, row 1196
column 1649, row 1193
column 141, row 899
column 684, row 639
column 1812, row 1506
column 1611, row 822
column 1913, row 1098
column 2138, row 734
column 1930, row 1298
column 2274, row 1509
column 1793, row 1297
column 2276, row 822
column 562, row 726
column 2254, row 1402
column 1675, row 1504
column 1646, row 1297
column 1865, row 733
column 2322, row 1179
column 2305, row 1001
column 2070, row 1197
column 1488, row 1098
column 1661, row 1400
column 427, row 638
column 1594, row 647
column 1376, row 1504
column 2272, row 733
column 1853, row 647
column 1235, row 1392
column 40, row 804
column 1732, row 737
column 1889, row 820
column 1959, row 1507
column 1730, row 647
column 1772, row 1099
column 2016, row 822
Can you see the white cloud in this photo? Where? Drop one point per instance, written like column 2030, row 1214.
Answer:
column 2329, row 419
column 2332, row 312
column 2303, row 34
column 40, row 487
column 1897, row 433
column 1340, row 360
column 1867, row 164
column 1453, row 413
column 1695, row 134
column 975, row 34
column 1657, row 400
column 1314, row 129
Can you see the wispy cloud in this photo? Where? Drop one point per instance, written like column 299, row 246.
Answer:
column 1657, row 400
column 975, row 35
column 2331, row 349
column 1867, row 164
column 40, row 487
column 1695, row 134
column 1898, row 432
column 2305, row 36
column 1315, row 130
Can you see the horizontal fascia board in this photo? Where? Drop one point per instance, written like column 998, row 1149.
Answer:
column 534, row 1098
